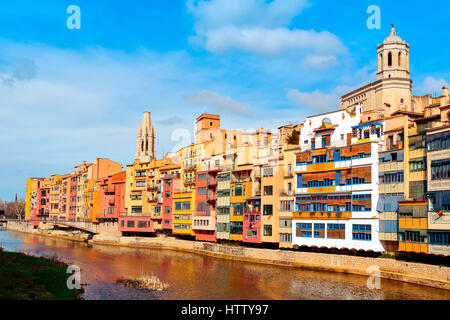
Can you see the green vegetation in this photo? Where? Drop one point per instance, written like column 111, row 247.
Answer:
column 146, row 282
column 387, row 256
column 24, row 277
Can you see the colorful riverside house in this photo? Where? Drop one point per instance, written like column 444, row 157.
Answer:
column 43, row 200
column 112, row 197
column 33, row 185
column 183, row 203
column 223, row 205
column 438, row 166
column 170, row 177
column 87, row 174
column 204, row 219
column 73, row 194
column 55, row 185
column 171, row 181
column 64, row 197
column 413, row 216
column 289, row 136
column 252, row 220
column 337, row 183
column 241, row 189
column 392, row 186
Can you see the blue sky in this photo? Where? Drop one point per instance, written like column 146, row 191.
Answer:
column 73, row 95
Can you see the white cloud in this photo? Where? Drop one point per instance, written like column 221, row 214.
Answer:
column 316, row 100
column 241, row 13
column 431, row 85
column 218, row 103
column 261, row 27
column 272, row 41
column 320, row 62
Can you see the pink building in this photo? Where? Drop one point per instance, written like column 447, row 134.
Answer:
column 252, row 220
column 168, row 183
column 73, row 194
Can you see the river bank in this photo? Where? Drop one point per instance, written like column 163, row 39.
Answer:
column 411, row 272
column 24, row 277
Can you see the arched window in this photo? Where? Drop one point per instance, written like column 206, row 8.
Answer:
column 399, row 59
column 381, row 59
column 390, row 59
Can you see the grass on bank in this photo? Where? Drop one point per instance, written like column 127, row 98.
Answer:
column 24, row 277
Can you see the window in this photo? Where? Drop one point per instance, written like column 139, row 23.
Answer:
column 336, row 231
column 362, row 232
column 390, row 59
column 267, row 209
column 182, row 205
column 268, row 190
column 285, row 223
column 267, row 172
column 286, row 205
column 319, row 230
column 285, row 237
column 130, row 224
column 238, row 190
column 202, row 190
column 136, row 209
column 167, row 209
column 167, row 194
column 267, row 230
column 142, row 224
column 439, row 238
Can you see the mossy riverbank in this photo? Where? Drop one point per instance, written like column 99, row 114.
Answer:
column 24, row 277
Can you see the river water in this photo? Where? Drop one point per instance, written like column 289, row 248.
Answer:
column 192, row 276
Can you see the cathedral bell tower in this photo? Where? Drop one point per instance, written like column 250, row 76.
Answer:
column 145, row 142
column 393, row 58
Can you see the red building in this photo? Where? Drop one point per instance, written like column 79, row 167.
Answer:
column 169, row 180
column 136, row 225
column 204, row 218
column 112, row 197
column 73, row 194
column 252, row 220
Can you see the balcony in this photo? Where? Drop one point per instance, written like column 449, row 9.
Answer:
column 189, row 181
column 240, row 179
column 190, row 168
column 154, row 188
column 151, row 199
column 286, row 192
column 204, row 222
column 288, row 174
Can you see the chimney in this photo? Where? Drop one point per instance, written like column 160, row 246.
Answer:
column 445, row 91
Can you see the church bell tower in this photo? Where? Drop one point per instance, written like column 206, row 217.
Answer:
column 145, row 142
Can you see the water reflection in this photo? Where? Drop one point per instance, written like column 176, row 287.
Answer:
column 193, row 276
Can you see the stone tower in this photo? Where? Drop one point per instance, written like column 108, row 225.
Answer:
column 145, row 142
column 393, row 58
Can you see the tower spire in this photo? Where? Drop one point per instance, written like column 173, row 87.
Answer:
column 145, row 142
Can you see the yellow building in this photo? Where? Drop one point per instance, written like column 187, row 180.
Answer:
column 31, row 195
column 183, row 205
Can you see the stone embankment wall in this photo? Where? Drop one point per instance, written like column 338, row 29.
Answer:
column 28, row 228
column 418, row 273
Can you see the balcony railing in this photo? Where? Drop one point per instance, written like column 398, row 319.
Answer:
column 240, row 179
column 189, row 181
column 288, row 174
column 286, row 192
